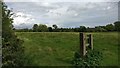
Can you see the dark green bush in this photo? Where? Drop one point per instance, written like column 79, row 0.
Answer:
column 92, row 58
column 12, row 49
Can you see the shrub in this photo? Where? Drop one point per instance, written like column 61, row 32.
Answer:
column 92, row 58
column 12, row 49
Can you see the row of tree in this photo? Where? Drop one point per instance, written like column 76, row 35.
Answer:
column 43, row 28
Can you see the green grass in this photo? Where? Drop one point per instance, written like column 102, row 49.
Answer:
column 58, row 48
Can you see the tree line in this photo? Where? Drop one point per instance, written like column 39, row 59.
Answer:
column 44, row 28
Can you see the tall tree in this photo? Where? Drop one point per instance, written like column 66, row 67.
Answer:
column 42, row 28
column 12, row 49
column 110, row 27
column 55, row 26
column 99, row 29
column 117, row 25
column 35, row 28
column 82, row 29
column 50, row 29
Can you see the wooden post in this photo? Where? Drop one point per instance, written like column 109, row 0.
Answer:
column 82, row 45
column 91, row 41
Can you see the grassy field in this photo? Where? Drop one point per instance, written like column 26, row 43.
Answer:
column 58, row 48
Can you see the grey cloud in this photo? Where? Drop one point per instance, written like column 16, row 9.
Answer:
column 68, row 14
column 61, row 0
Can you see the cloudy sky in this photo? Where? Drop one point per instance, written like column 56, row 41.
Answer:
column 64, row 14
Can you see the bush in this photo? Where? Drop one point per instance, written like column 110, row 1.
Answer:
column 12, row 49
column 92, row 58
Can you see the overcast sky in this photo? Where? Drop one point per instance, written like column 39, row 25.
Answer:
column 64, row 14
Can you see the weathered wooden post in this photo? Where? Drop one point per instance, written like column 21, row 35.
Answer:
column 91, row 41
column 82, row 44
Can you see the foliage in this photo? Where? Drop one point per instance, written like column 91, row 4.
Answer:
column 12, row 49
column 82, row 29
column 55, row 26
column 110, row 27
column 117, row 25
column 42, row 28
column 100, row 29
column 39, row 28
column 92, row 58
column 35, row 28
column 50, row 29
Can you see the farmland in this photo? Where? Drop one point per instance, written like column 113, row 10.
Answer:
column 58, row 48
